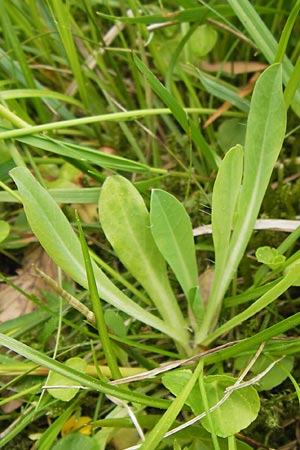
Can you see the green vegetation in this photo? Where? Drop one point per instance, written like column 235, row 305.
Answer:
column 126, row 320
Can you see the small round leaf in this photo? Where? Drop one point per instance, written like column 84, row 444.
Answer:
column 236, row 413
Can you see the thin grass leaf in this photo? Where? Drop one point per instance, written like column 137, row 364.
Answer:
column 264, row 40
column 126, row 224
column 180, row 115
column 62, row 18
column 223, row 91
column 98, row 307
column 197, row 14
column 17, row 47
column 253, row 341
column 59, row 240
column 83, row 153
column 40, row 93
column 80, row 378
column 270, row 296
column 286, row 33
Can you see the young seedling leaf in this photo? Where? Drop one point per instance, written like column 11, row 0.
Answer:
column 64, row 392
column 270, row 256
column 172, row 231
column 58, row 238
column 126, row 224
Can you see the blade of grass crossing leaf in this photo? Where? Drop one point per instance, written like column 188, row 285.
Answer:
column 188, row 125
column 57, row 237
column 251, row 343
column 97, row 307
column 270, row 296
column 82, row 379
column 156, row 435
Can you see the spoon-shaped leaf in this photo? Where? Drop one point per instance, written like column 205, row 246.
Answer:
column 172, row 231
column 58, row 238
column 126, row 224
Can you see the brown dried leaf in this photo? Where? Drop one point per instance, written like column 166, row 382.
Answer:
column 12, row 303
column 205, row 283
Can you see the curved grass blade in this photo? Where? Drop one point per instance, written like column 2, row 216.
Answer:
column 80, row 378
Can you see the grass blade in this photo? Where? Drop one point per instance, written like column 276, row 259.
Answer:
column 97, row 307
column 180, row 115
column 264, row 40
column 80, row 378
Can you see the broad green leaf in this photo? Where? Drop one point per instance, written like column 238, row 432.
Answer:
column 203, row 40
column 270, row 257
column 175, row 381
column 224, row 202
column 236, row 413
column 126, row 224
column 4, row 230
column 65, row 393
column 274, row 377
column 157, row 433
column 230, row 133
column 265, row 133
column 173, row 234
column 59, row 240
column 76, row 441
